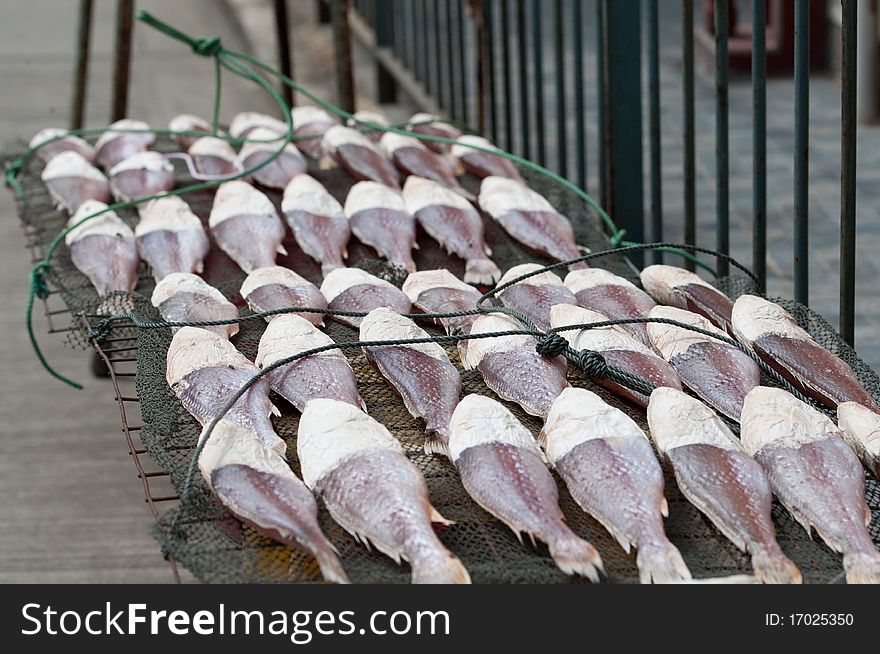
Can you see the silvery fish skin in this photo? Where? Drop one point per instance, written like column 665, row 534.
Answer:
column 619, row 348
column 610, row 470
column 141, row 175
column 511, row 366
column 46, row 150
column 246, row 226
column 214, row 156
column 276, row 287
column 717, row 476
column 312, row 121
column 414, row 158
column 815, row 475
column 318, row 222
column 861, row 427
column 503, row 470
column 121, row 140
column 171, row 238
column 356, row 290
column 378, row 217
column 421, row 123
column 536, row 295
column 454, row 223
column 719, row 373
column 372, row 490
column 184, row 297
column 322, row 375
column 359, row 156
column 613, row 296
column 279, row 171
column 103, row 249
column 480, row 163
column 188, row 123
column 420, row 372
column 258, row 487
column 680, row 288
column 529, row 218
column 71, row 181
column 772, row 333
column 205, row 370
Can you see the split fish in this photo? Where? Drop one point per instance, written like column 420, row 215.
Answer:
column 214, row 157
column 453, row 222
column 247, row 121
column 610, row 470
column 312, row 121
column 277, row 287
column 246, row 226
column 189, row 123
column 719, row 373
column 503, row 470
column 414, row 158
column 257, row 486
column 439, row 291
column 483, row 164
column 717, row 476
column 511, row 366
column 121, row 140
column 535, row 295
column 378, row 217
column 205, row 370
column 613, row 296
column 141, row 175
column 371, row 117
column 103, row 248
column 353, row 289
column 372, row 489
column 323, row 375
column 358, row 155
column 420, row 372
column 278, row 172
column 861, row 427
column 64, row 142
column 529, row 219
column 815, row 475
column 171, row 238
column 677, row 287
column 184, row 297
column 318, row 222
column 619, row 348
column 423, row 123
column 71, row 181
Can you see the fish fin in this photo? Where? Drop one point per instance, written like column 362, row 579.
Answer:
column 661, row 563
column 542, row 439
column 487, row 250
column 274, row 410
column 664, row 507
column 200, row 268
column 532, row 538
column 326, row 162
column 868, row 516
column 862, row 567
column 773, row 567
column 331, row 566
column 437, row 444
column 416, row 246
column 281, row 249
column 482, row 272
column 574, row 555
column 362, row 404
column 448, row 571
column 436, row 518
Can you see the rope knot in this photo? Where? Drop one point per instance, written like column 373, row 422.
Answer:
column 551, row 345
column 592, row 363
column 97, row 335
column 38, row 283
column 12, row 171
column 207, row 47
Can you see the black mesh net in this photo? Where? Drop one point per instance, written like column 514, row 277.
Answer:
column 203, row 537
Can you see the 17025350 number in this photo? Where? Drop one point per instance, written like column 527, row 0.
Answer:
column 821, row 619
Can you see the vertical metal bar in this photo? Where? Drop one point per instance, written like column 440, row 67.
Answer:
column 386, row 87
column 524, row 90
column 412, row 32
column 342, row 38
column 504, row 29
column 580, row 110
column 561, row 123
column 690, row 201
column 324, row 16
column 463, row 63
column 722, row 164
column 603, row 94
column 285, row 62
column 538, row 66
column 122, row 59
column 482, row 48
column 81, row 70
column 491, row 101
column 420, row 60
column 452, row 61
column 439, row 60
column 654, row 125
column 759, row 143
column 848, row 111
column 801, row 150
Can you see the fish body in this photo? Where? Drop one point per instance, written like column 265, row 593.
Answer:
column 142, row 175
column 619, row 348
column 276, row 287
column 772, row 333
column 184, row 297
column 480, row 163
column 71, row 181
column 359, row 156
column 717, row 476
column 371, row 117
column 372, row 489
column 861, row 428
column 454, row 223
column 439, row 291
column 511, row 366
column 258, row 487
column 378, row 217
column 103, row 249
column 414, row 158
column 536, row 295
column 189, row 123
column 246, row 226
column 613, row 296
column 247, row 121
column 64, row 142
column 529, row 218
column 422, row 123
column 312, row 121
column 205, row 370
column 814, row 473
column 323, row 375
column 683, row 289
column 420, row 372
column 171, row 238
column 277, row 173
column 503, row 470
column 610, row 470
column 214, row 157
column 353, row 289
column 719, row 373
column 121, row 140
column 318, row 222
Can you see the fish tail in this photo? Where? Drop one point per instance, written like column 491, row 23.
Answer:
column 436, row 443
column 483, row 272
column 773, row 567
column 862, row 567
column 574, row 555
column 661, row 563
column 447, row 570
column 331, row 566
